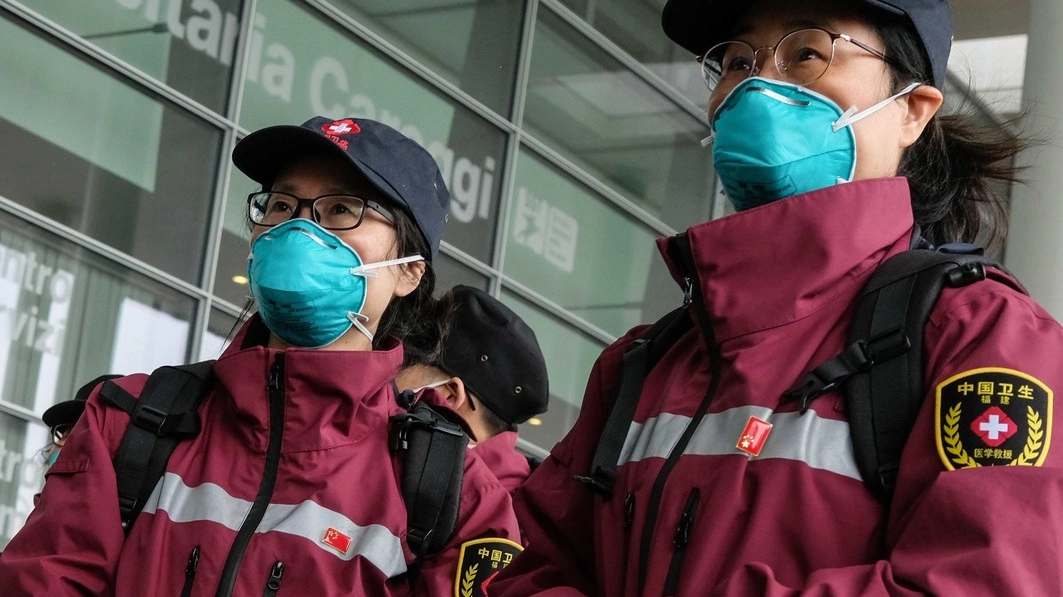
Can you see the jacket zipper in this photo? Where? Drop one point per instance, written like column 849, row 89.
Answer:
column 684, row 259
column 190, row 572
column 275, row 389
column 274, row 582
column 680, row 540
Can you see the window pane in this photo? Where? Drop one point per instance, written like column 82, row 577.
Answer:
column 81, row 148
column 21, row 471
column 587, row 106
column 230, row 280
column 450, row 272
column 220, row 331
column 584, row 254
column 569, row 358
column 67, row 316
column 471, row 44
column 635, row 26
column 187, row 45
column 310, row 67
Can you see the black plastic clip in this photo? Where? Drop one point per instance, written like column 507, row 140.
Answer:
column 965, row 274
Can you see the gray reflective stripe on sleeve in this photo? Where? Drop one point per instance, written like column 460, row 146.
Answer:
column 209, row 502
column 820, row 443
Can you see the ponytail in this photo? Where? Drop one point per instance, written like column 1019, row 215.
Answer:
column 961, row 168
column 959, row 171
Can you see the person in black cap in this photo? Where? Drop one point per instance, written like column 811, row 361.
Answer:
column 730, row 477
column 60, row 418
column 290, row 482
column 492, row 373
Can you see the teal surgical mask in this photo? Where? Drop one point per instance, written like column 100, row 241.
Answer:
column 310, row 285
column 773, row 140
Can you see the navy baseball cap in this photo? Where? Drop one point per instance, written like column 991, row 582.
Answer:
column 395, row 164
column 697, row 25
column 496, row 355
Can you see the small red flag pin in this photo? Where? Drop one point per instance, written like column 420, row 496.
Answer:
column 336, row 540
column 752, row 439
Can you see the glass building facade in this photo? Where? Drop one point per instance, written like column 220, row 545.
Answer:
column 568, row 131
column 569, row 138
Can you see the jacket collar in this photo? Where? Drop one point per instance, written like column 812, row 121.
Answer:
column 332, row 398
column 778, row 263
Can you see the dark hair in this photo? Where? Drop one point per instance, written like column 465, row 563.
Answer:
column 491, row 421
column 424, row 345
column 959, row 168
column 418, row 314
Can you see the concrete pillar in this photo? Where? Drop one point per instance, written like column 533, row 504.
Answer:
column 1035, row 242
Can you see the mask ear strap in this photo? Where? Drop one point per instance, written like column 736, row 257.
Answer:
column 364, row 269
column 850, row 116
column 434, row 384
column 356, row 319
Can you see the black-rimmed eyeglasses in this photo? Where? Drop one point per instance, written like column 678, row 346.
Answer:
column 332, row 212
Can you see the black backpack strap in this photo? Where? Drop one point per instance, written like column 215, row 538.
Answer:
column 432, row 476
column 883, row 401
column 164, row 414
column 639, row 359
column 881, row 369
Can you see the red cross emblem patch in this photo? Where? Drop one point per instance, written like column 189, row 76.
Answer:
column 338, row 129
column 992, row 416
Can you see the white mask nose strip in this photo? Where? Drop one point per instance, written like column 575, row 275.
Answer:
column 780, row 97
column 851, row 115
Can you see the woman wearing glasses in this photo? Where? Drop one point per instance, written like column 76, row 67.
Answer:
column 291, row 486
column 828, row 141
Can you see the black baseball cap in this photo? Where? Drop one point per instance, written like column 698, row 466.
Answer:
column 496, row 355
column 697, row 25
column 395, row 164
column 68, row 412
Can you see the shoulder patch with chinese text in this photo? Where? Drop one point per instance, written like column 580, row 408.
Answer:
column 479, row 561
column 992, row 416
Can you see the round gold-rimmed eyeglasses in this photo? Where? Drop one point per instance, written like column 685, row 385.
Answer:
column 800, row 57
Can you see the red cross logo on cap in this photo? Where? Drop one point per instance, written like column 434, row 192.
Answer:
column 333, row 130
column 342, row 127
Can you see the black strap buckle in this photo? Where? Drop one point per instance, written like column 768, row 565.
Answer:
column 600, row 481
column 150, row 418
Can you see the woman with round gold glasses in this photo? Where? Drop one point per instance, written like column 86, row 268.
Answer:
column 828, row 142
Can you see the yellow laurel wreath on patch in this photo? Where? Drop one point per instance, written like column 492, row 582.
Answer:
column 1033, row 440
column 467, row 582
column 952, row 438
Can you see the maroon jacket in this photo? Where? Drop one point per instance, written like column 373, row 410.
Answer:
column 779, row 285
column 500, row 455
column 336, row 520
